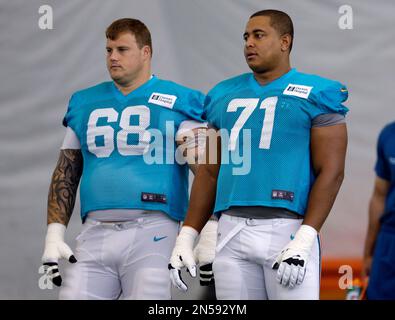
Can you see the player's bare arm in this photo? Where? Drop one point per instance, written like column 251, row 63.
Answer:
column 61, row 199
column 328, row 151
column 376, row 210
column 64, row 185
column 199, row 212
column 205, row 184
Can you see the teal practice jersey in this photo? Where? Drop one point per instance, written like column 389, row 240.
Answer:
column 128, row 145
column 265, row 134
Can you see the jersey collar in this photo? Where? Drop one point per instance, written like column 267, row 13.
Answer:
column 258, row 88
column 123, row 98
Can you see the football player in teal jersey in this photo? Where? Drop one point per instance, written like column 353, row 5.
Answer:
column 123, row 142
column 271, row 211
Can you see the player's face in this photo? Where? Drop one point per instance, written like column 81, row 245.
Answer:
column 262, row 49
column 125, row 60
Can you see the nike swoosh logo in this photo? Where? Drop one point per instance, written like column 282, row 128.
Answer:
column 159, row 238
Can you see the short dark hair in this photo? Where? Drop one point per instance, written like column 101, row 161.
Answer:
column 135, row 27
column 280, row 21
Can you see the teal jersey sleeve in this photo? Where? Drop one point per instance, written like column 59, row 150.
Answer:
column 98, row 95
column 328, row 96
column 192, row 106
column 70, row 114
column 185, row 101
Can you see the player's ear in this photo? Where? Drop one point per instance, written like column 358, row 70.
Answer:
column 147, row 52
column 286, row 41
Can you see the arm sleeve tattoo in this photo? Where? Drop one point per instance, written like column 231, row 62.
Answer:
column 64, row 185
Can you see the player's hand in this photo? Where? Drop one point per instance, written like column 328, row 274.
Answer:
column 291, row 262
column 182, row 256
column 204, row 252
column 55, row 249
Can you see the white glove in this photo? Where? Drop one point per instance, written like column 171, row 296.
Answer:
column 55, row 249
column 291, row 262
column 182, row 256
column 204, row 252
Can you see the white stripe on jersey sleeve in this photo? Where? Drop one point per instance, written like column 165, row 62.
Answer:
column 71, row 140
column 188, row 125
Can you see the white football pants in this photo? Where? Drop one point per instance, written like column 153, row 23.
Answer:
column 125, row 260
column 246, row 250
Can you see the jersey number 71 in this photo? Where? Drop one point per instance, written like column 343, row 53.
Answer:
column 249, row 106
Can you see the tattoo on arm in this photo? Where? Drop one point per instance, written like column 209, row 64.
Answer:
column 64, row 185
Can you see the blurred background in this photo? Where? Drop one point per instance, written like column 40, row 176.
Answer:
column 196, row 43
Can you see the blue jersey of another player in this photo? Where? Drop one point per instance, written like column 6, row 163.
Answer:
column 273, row 122
column 385, row 169
column 117, row 133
